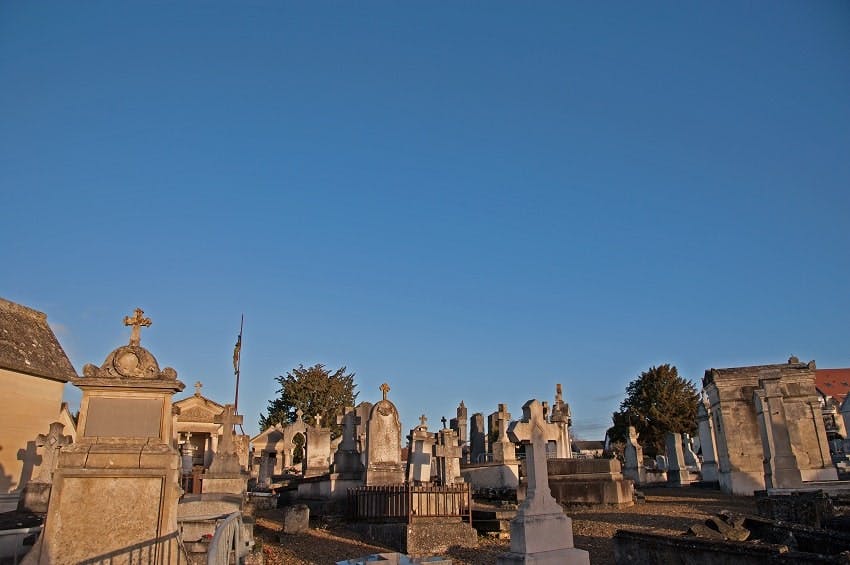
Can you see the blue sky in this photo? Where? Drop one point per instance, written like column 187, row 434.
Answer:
column 467, row 200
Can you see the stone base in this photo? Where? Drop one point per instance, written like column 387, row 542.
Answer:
column 828, row 474
column 384, row 475
column 329, row 487
column 709, row 472
column 491, row 475
column 35, row 498
column 741, row 482
column 559, row 557
column 221, row 483
column 680, row 478
column 616, row 493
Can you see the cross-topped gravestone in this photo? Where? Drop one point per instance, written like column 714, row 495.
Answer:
column 347, row 459
column 447, row 453
column 138, row 321
column 541, row 532
column 503, row 449
column 50, row 445
column 228, row 418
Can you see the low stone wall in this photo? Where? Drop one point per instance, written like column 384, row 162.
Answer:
column 423, row 537
column 491, row 475
column 587, row 482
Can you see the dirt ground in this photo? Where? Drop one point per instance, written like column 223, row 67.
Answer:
column 666, row 510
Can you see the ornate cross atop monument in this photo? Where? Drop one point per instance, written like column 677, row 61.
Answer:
column 50, row 443
column 299, row 415
column 443, row 420
column 198, row 386
column 228, row 418
column 385, row 388
column 138, row 321
column 423, row 421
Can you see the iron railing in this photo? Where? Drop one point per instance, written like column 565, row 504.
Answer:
column 408, row 503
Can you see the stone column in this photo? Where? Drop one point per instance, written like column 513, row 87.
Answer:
column 781, row 469
column 677, row 473
column 706, row 440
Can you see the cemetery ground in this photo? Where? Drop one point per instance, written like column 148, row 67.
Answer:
column 666, row 510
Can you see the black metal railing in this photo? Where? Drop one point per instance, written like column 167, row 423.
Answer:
column 408, row 503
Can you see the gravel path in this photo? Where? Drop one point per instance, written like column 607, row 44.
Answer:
column 666, row 510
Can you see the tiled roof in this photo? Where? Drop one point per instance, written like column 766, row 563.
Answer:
column 28, row 345
column 833, row 382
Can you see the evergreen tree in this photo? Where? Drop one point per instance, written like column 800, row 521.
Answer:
column 657, row 402
column 313, row 390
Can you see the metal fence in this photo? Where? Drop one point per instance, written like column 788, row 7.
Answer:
column 408, row 503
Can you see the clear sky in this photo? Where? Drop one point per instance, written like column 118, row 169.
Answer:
column 468, row 200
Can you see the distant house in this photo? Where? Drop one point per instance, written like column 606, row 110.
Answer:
column 588, row 449
column 833, row 386
column 33, row 373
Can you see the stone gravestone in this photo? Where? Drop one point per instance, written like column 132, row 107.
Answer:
column 318, row 448
column 677, row 471
column 36, row 493
column 562, row 416
column 706, row 440
column 383, row 443
column 503, row 448
column 347, row 461
column 420, row 449
column 448, row 454
column 541, row 533
column 225, row 474
column 691, row 459
column 363, row 410
column 459, row 425
column 117, row 487
column 633, row 456
column 477, row 436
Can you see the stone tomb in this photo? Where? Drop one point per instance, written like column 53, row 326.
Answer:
column 383, row 443
column 541, row 533
column 118, row 486
column 420, row 453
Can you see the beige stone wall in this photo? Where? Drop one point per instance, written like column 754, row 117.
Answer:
column 27, row 407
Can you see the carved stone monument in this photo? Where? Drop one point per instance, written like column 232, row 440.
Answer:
column 781, row 469
column 633, row 456
column 118, row 486
column 225, row 474
column 448, row 453
column 36, row 494
column 477, row 438
column 459, row 425
column 541, row 532
column 420, row 453
column 318, row 447
column 562, row 416
column 503, row 449
column 707, row 443
column 383, row 443
column 347, row 463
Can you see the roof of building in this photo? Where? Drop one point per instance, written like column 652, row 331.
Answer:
column 28, row 345
column 833, row 382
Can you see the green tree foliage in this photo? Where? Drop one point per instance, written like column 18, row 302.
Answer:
column 657, row 402
column 314, row 390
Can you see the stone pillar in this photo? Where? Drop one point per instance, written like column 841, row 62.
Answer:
column 677, row 472
column 780, row 464
column 706, row 440
column 633, row 456
column 541, row 532
column 459, row 425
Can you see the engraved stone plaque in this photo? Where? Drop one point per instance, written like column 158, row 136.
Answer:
column 124, row 417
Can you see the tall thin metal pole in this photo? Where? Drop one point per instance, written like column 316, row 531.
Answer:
column 237, row 362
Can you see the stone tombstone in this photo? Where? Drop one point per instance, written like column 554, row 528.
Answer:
column 503, row 449
column 447, row 454
column 541, row 532
column 226, row 459
column 363, row 410
column 633, row 458
column 562, row 416
column 383, row 444
column 419, row 453
column 661, row 462
column 459, row 425
column 781, row 469
column 36, row 493
column 706, row 440
column 318, row 450
column 347, row 461
column 677, row 471
column 691, row 459
column 123, row 469
column 477, row 438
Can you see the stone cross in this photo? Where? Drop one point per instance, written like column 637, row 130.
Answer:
column 318, row 418
column 535, row 432
column 50, row 444
column 443, row 420
column 423, row 421
column 503, row 418
column 198, row 386
column 228, row 418
column 299, row 414
column 138, row 322
column 385, row 388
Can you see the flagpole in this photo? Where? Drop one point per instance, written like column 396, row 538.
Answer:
column 237, row 362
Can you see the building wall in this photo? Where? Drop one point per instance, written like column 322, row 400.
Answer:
column 28, row 405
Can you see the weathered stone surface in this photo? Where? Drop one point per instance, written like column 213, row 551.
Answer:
column 383, row 444
column 296, row 519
